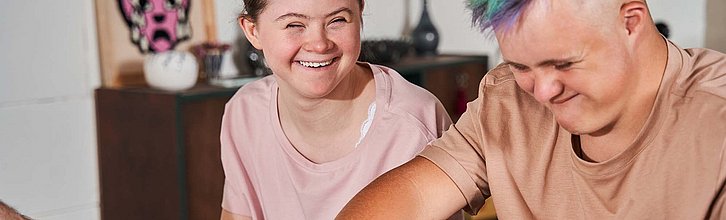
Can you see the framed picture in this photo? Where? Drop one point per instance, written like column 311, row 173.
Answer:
column 130, row 29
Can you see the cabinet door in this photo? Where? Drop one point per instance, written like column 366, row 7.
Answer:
column 137, row 155
column 205, row 178
column 452, row 83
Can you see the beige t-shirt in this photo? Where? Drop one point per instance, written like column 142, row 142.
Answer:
column 510, row 147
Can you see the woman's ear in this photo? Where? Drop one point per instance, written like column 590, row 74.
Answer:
column 634, row 15
column 250, row 29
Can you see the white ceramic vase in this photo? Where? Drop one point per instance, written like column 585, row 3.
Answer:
column 171, row 70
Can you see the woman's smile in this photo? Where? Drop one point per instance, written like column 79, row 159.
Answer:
column 316, row 64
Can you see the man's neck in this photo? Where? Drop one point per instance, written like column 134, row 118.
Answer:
column 621, row 134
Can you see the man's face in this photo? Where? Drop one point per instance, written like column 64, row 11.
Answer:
column 576, row 66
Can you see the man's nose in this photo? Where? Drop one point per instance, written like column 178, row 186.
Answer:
column 546, row 86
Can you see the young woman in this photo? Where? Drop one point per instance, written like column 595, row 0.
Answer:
column 302, row 142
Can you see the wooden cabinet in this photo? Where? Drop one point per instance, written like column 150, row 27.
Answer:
column 448, row 77
column 159, row 151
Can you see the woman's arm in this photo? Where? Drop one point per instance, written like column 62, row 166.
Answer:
column 415, row 190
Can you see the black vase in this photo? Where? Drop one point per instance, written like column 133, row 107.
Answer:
column 425, row 36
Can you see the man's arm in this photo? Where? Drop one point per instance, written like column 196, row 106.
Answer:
column 415, row 190
column 231, row 216
column 8, row 213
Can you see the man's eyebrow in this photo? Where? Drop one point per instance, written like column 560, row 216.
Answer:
column 298, row 15
column 552, row 62
column 507, row 62
column 547, row 62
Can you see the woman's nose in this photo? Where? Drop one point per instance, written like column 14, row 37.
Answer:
column 318, row 42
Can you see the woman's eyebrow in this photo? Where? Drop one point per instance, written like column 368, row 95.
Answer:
column 298, row 15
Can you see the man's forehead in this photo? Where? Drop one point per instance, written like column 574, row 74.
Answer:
column 550, row 13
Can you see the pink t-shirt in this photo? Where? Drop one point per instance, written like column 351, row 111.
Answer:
column 266, row 178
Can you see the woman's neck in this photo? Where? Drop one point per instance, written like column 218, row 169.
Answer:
column 325, row 129
column 332, row 112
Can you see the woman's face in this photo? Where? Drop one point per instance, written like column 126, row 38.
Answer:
column 310, row 45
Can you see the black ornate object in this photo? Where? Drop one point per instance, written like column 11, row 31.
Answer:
column 425, row 36
column 383, row 51
column 663, row 28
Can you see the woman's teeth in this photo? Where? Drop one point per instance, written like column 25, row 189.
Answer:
column 315, row 64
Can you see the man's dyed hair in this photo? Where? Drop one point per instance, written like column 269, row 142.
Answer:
column 496, row 14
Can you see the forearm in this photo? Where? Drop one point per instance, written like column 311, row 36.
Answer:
column 416, row 190
column 385, row 198
column 8, row 213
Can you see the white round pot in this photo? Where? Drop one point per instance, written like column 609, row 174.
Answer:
column 171, row 70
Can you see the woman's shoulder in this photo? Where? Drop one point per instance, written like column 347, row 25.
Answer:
column 398, row 90
column 251, row 101
column 246, row 114
column 254, row 92
column 403, row 98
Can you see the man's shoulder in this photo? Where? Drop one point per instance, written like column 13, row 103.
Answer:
column 500, row 74
column 703, row 73
column 499, row 82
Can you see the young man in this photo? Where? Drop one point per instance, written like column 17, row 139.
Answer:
column 593, row 115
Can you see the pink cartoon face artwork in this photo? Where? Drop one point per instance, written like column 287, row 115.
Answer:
column 156, row 25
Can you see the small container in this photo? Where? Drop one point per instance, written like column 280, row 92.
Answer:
column 171, row 70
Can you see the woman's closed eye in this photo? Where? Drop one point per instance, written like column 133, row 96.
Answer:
column 294, row 25
column 337, row 22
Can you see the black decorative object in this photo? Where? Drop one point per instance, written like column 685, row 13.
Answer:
column 663, row 28
column 257, row 61
column 425, row 36
column 383, row 51
column 249, row 61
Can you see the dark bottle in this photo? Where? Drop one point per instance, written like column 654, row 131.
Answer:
column 425, row 36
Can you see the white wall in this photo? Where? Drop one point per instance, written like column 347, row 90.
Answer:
column 686, row 20
column 715, row 20
column 49, row 68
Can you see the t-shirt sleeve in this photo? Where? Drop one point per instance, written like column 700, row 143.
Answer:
column 718, row 206
column 443, row 121
column 235, row 202
column 458, row 154
column 238, row 191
